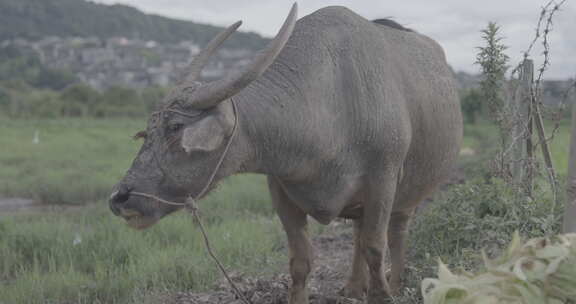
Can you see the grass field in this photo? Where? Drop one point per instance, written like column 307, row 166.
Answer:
column 483, row 136
column 74, row 162
column 78, row 161
column 86, row 255
column 560, row 146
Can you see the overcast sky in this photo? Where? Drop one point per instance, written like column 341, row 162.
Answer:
column 453, row 23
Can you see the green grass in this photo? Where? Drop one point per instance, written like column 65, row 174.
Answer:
column 115, row 264
column 483, row 138
column 477, row 134
column 76, row 161
column 560, row 146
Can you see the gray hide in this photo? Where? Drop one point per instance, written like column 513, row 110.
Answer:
column 343, row 101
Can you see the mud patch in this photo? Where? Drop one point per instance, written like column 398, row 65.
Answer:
column 333, row 251
column 16, row 204
column 24, row 205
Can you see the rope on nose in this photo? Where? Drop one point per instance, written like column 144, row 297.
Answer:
column 190, row 206
column 150, row 196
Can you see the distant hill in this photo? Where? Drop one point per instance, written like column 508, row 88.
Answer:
column 34, row 19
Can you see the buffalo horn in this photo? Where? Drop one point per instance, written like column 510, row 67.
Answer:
column 210, row 94
column 201, row 59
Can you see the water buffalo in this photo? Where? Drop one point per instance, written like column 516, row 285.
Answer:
column 346, row 117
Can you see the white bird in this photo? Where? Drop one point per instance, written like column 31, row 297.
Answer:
column 36, row 139
column 77, row 239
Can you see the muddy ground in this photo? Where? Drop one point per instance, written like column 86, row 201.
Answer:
column 333, row 252
column 15, row 204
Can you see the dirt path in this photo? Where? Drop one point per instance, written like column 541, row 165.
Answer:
column 15, row 204
column 10, row 206
column 333, row 250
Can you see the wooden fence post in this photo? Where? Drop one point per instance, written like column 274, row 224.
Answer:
column 522, row 164
column 537, row 118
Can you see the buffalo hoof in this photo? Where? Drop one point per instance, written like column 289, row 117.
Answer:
column 352, row 291
column 377, row 297
column 298, row 297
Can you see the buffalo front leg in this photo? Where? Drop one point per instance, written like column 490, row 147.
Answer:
column 295, row 224
column 376, row 217
column 397, row 232
column 357, row 283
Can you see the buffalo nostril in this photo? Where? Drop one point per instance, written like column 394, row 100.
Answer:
column 121, row 195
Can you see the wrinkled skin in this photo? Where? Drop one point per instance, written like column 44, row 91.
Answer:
column 164, row 167
column 353, row 119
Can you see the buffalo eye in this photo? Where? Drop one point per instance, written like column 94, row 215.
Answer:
column 175, row 127
column 140, row 134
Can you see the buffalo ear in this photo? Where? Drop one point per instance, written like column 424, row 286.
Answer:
column 206, row 135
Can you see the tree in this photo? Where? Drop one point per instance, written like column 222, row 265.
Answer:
column 493, row 62
column 79, row 100
column 151, row 97
column 43, row 103
column 118, row 101
column 53, row 79
column 471, row 105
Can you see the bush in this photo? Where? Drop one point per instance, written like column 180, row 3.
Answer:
column 20, row 100
column 79, row 100
column 478, row 215
column 118, row 101
column 481, row 215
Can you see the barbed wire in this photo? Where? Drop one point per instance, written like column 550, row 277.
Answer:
column 537, row 35
column 521, row 118
column 545, row 39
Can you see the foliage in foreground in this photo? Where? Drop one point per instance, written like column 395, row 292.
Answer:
column 543, row 270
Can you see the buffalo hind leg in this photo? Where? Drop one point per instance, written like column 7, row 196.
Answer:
column 376, row 217
column 295, row 225
column 397, row 232
column 357, row 283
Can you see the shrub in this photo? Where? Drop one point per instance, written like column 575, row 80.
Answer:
column 478, row 215
column 481, row 215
